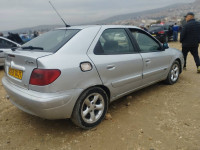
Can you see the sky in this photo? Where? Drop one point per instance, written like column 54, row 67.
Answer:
column 16, row 14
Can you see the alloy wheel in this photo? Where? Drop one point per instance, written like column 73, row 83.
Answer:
column 174, row 72
column 92, row 108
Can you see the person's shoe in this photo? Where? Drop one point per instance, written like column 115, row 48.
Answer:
column 184, row 68
column 198, row 69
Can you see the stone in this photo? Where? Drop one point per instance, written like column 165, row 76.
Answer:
column 129, row 97
column 108, row 116
column 128, row 104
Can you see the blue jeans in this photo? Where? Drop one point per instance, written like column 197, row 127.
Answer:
column 175, row 35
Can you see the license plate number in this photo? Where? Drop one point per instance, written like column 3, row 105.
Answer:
column 15, row 73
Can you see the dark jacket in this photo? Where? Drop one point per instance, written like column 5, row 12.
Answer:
column 190, row 34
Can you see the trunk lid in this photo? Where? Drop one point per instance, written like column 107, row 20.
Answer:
column 20, row 64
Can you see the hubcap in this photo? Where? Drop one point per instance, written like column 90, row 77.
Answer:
column 174, row 72
column 92, row 108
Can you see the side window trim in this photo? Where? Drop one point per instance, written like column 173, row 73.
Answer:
column 133, row 41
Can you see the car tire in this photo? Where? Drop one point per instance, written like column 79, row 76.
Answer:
column 90, row 108
column 174, row 73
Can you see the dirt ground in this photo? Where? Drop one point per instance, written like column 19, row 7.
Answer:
column 159, row 117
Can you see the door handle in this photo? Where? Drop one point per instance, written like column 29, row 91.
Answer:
column 110, row 67
column 148, row 61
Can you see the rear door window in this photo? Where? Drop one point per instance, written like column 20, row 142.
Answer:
column 114, row 41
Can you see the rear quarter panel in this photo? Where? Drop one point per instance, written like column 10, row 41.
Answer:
column 68, row 60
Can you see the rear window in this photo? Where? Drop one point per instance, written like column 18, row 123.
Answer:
column 50, row 41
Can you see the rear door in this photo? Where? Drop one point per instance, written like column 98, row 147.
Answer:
column 19, row 66
column 118, row 63
column 156, row 61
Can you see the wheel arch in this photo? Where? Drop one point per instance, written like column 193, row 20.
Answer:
column 181, row 69
column 75, row 116
column 107, row 91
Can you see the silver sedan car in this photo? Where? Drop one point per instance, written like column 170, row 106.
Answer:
column 76, row 72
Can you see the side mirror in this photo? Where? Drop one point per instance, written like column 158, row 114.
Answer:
column 1, row 51
column 165, row 46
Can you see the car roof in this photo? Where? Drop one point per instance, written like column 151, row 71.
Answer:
column 106, row 26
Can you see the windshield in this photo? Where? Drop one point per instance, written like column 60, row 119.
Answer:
column 50, row 41
column 155, row 28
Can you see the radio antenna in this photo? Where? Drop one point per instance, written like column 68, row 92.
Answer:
column 59, row 15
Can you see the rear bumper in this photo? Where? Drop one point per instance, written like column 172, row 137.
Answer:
column 45, row 105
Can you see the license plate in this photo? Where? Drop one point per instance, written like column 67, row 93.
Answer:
column 15, row 73
column 153, row 34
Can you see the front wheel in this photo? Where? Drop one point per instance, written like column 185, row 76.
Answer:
column 173, row 73
column 90, row 108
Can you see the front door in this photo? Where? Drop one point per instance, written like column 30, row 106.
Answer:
column 156, row 60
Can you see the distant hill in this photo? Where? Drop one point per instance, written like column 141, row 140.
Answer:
column 136, row 15
column 172, row 11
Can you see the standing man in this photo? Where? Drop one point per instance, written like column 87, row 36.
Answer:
column 175, row 29
column 190, row 39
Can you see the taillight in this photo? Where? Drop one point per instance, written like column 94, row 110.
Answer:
column 161, row 32
column 43, row 77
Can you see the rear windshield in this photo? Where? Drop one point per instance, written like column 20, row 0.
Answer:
column 50, row 41
column 155, row 28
